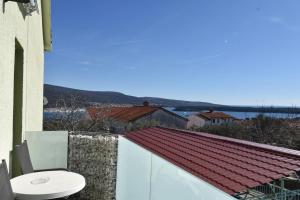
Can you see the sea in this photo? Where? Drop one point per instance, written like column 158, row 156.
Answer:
column 239, row 115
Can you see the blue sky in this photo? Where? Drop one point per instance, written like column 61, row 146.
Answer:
column 236, row 52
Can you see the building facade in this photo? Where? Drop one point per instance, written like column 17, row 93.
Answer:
column 23, row 40
column 122, row 119
column 208, row 118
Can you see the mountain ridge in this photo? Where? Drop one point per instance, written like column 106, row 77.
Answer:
column 53, row 93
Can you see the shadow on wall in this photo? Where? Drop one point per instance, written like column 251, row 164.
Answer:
column 22, row 10
column 20, row 6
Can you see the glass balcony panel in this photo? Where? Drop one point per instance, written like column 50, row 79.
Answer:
column 48, row 149
column 171, row 182
column 133, row 173
column 142, row 175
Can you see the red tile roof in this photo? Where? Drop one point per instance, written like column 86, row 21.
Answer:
column 126, row 114
column 214, row 115
column 229, row 164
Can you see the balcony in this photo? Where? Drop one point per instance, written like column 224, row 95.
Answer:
column 92, row 155
column 142, row 175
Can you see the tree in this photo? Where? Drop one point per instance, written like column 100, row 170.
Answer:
column 67, row 115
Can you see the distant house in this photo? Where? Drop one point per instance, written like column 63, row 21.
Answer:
column 120, row 119
column 209, row 118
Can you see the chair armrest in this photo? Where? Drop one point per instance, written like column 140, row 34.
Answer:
column 53, row 169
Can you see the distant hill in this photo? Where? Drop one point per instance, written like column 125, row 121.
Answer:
column 53, row 93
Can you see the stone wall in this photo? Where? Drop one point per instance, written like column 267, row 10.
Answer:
column 95, row 157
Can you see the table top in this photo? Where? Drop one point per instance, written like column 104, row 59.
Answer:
column 47, row 185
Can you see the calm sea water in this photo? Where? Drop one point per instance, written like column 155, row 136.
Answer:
column 55, row 114
column 239, row 115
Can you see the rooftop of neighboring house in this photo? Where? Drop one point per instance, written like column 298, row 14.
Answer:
column 209, row 115
column 232, row 165
column 126, row 114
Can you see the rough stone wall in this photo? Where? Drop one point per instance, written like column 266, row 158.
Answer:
column 95, row 157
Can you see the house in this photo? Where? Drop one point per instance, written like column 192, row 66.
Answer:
column 209, row 118
column 179, row 164
column 135, row 117
column 24, row 36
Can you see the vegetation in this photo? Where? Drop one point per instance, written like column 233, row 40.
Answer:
column 70, row 116
column 263, row 129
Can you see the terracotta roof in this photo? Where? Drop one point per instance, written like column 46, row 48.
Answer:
column 214, row 115
column 229, row 164
column 126, row 114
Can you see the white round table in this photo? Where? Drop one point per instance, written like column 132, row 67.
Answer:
column 47, row 185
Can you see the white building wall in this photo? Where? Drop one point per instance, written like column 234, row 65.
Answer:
column 195, row 121
column 219, row 121
column 28, row 31
column 142, row 175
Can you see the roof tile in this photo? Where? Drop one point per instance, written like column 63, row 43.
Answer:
column 126, row 114
column 214, row 115
column 228, row 164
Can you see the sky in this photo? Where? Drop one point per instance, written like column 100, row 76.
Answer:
column 234, row 52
